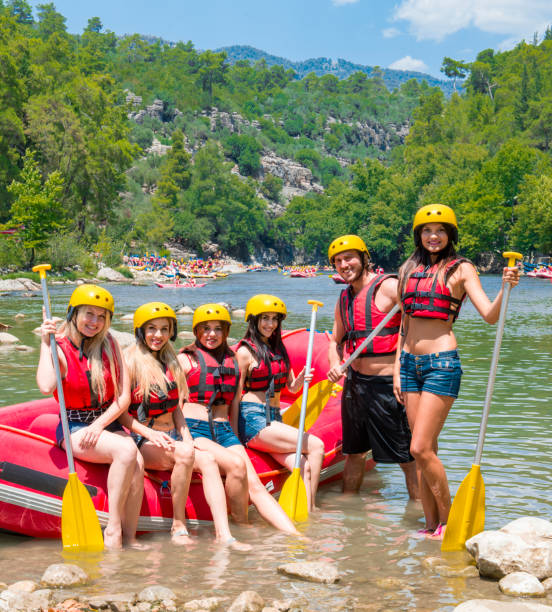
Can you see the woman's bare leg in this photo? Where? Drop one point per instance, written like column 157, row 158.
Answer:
column 280, row 440
column 266, row 505
column 427, row 414
column 121, row 453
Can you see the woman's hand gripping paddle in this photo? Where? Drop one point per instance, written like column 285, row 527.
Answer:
column 467, row 514
column 80, row 528
column 293, row 497
column 320, row 393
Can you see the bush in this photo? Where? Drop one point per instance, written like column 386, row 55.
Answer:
column 67, row 251
column 12, row 253
column 124, row 271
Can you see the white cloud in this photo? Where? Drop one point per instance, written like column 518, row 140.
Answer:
column 437, row 19
column 342, row 2
column 409, row 63
column 390, row 32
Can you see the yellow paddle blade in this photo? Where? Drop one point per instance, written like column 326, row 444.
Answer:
column 293, row 497
column 80, row 527
column 467, row 514
column 319, row 394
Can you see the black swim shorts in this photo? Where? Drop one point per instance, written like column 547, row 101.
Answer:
column 373, row 419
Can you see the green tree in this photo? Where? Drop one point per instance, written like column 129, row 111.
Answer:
column 37, row 205
column 533, row 227
column 245, row 150
column 212, row 71
column 49, row 20
column 271, row 187
column 454, row 69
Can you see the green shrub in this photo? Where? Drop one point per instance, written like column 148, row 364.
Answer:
column 66, row 251
column 12, row 252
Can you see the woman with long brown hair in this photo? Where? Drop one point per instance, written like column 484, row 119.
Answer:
column 433, row 282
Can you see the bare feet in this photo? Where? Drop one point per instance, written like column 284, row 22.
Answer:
column 439, row 533
column 181, row 537
column 236, row 545
column 113, row 539
column 136, row 545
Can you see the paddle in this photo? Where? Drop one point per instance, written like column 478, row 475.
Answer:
column 293, row 497
column 467, row 513
column 80, row 528
column 320, row 393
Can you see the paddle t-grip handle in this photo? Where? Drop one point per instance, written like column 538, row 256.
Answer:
column 41, row 269
column 511, row 256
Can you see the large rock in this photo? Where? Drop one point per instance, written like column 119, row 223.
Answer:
column 248, row 601
column 200, row 605
column 312, row 571
column 109, row 274
column 63, row 575
column 498, row 554
column 18, row 284
column 521, row 584
column 156, row 593
column 6, row 338
column 491, row 605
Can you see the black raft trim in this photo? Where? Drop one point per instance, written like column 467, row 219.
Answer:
column 38, row 481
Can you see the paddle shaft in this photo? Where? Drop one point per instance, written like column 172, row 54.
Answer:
column 61, row 398
column 306, row 387
column 369, row 339
column 492, row 374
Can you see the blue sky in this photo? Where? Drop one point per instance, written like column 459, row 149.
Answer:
column 403, row 34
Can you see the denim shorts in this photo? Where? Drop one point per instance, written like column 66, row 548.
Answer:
column 252, row 419
column 74, row 426
column 172, row 433
column 437, row 373
column 224, row 433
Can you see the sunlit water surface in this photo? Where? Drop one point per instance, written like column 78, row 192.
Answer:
column 370, row 536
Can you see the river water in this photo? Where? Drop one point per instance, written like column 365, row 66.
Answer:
column 370, row 536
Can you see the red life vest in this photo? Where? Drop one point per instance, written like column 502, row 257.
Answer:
column 425, row 296
column 360, row 316
column 77, row 388
column 158, row 402
column 259, row 378
column 211, row 382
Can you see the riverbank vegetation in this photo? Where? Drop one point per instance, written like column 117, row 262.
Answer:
column 75, row 178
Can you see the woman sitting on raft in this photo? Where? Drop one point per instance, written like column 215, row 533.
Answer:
column 265, row 371
column 213, row 376
column 159, row 390
column 96, row 390
column 433, row 282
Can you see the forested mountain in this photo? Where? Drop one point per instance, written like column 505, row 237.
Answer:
column 340, row 68
column 79, row 112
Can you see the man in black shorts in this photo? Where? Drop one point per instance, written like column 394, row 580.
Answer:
column 371, row 416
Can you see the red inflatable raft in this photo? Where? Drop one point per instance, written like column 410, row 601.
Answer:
column 33, row 470
column 186, row 285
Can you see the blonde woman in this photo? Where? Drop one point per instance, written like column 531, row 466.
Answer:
column 96, row 389
column 159, row 390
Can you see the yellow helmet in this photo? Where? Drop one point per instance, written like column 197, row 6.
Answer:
column 264, row 303
column 90, row 295
column 435, row 213
column 154, row 310
column 350, row 242
column 210, row 312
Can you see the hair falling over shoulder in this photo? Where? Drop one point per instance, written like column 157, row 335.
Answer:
column 148, row 372
column 99, row 344
column 422, row 257
column 274, row 342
